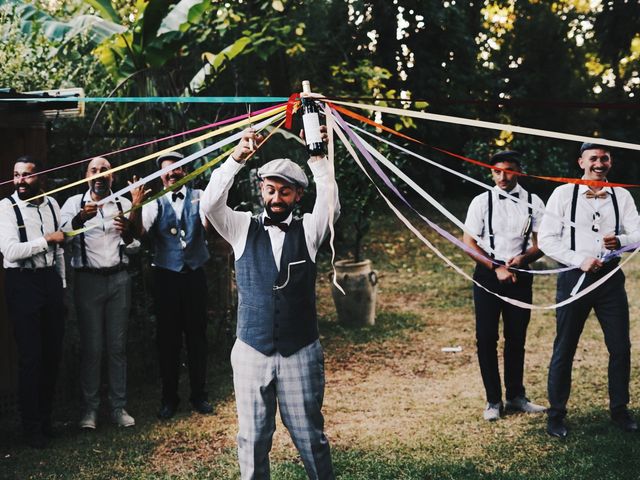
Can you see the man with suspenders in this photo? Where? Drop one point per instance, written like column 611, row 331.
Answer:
column 584, row 224
column 506, row 226
column 34, row 283
column 178, row 232
column 102, row 290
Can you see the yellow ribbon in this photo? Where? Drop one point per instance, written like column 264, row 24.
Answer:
column 218, row 131
column 175, row 186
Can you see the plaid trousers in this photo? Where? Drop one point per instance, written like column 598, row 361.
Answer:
column 296, row 383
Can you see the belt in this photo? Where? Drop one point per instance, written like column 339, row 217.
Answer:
column 31, row 270
column 103, row 271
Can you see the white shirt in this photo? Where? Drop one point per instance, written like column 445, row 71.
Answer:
column 150, row 210
column 38, row 222
column 510, row 221
column 555, row 236
column 103, row 243
column 234, row 226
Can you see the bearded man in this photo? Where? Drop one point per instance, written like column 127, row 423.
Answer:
column 102, row 288
column 178, row 233
column 34, row 282
column 277, row 358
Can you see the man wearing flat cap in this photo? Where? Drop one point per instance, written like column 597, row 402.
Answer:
column 277, row 357
column 180, row 286
column 583, row 225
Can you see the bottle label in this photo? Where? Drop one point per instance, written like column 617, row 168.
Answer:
column 311, row 123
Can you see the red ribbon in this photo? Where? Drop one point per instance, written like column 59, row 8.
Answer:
column 293, row 99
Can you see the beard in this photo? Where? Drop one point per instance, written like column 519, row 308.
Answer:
column 100, row 189
column 30, row 190
column 279, row 216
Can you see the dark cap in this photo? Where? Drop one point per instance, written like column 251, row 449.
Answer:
column 173, row 156
column 593, row 146
column 506, row 156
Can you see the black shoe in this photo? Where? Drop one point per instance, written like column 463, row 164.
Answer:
column 623, row 419
column 202, row 406
column 167, row 411
column 556, row 427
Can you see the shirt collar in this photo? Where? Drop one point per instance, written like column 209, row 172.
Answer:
column 582, row 189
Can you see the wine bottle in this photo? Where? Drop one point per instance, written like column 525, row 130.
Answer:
column 311, row 122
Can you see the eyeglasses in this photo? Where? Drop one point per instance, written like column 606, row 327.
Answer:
column 595, row 225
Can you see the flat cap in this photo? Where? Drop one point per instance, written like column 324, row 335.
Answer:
column 285, row 169
column 173, row 156
column 592, row 146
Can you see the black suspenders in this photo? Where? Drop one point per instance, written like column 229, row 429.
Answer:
column 22, row 229
column 529, row 227
column 527, row 233
column 574, row 203
column 492, row 242
column 83, row 244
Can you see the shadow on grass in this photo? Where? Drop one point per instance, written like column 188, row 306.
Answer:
column 108, row 452
column 388, row 325
column 366, row 465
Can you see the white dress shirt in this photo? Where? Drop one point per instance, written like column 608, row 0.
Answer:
column 150, row 210
column 554, row 238
column 103, row 243
column 234, row 226
column 38, row 222
column 510, row 221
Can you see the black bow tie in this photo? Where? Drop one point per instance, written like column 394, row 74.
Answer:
column 175, row 195
column 502, row 197
column 268, row 222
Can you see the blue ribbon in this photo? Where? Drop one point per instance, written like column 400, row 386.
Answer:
column 74, row 98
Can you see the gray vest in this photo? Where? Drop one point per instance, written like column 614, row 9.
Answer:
column 179, row 245
column 276, row 310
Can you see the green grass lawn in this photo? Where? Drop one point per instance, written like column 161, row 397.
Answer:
column 396, row 406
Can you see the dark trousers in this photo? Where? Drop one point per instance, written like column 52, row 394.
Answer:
column 181, row 310
column 516, row 320
column 36, row 309
column 612, row 310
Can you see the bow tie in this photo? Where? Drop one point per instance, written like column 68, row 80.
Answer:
column 599, row 194
column 502, row 197
column 176, row 195
column 268, row 222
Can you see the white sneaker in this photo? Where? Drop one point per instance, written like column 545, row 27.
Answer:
column 492, row 411
column 89, row 419
column 120, row 417
column 522, row 404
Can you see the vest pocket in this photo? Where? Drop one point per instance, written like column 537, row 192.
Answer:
column 293, row 270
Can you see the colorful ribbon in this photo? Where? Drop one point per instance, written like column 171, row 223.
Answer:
column 409, row 225
column 216, row 132
column 491, row 125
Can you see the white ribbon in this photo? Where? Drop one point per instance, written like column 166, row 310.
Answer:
column 186, row 160
column 417, row 233
column 330, row 127
column 579, row 228
column 490, row 125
